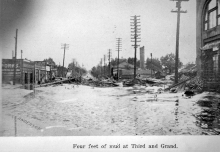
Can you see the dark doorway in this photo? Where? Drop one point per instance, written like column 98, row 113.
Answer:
column 25, row 78
column 31, row 77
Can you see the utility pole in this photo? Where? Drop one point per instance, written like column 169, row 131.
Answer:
column 104, row 65
column 21, row 54
column 109, row 61
column 118, row 45
column 135, row 35
column 64, row 46
column 178, row 11
column 101, row 67
column 12, row 54
column 76, row 68
column 151, row 64
column 16, row 37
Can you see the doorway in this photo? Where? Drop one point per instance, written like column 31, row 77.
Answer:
column 26, row 78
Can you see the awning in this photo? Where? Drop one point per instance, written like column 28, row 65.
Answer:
column 211, row 45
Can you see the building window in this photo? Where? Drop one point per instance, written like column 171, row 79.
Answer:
column 212, row 14
column 215, row 63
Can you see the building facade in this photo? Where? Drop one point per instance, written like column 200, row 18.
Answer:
column 40, row 72
column 208, row 42
column 24, row 71
column 27, row 72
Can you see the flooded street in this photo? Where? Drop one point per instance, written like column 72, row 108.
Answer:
column 70, row 110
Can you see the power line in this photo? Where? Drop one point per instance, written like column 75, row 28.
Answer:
column 151, row 65
column 101, row 67
column 178, row 11
column 104, row 65
column 21, row 53
column 109, row 61
column 64, row 46
column 135, row 35
column 118, row 47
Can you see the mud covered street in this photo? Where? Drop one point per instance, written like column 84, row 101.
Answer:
column 71, row 110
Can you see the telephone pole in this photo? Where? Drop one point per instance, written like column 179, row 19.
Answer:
column 64, row 46
column 135, row 35
column 151, row 65
column 104, row 65
column 178, row 11
column 109, row 61
column 16, row 38
column 101, row 67
column 118, row 47
column 21, row 54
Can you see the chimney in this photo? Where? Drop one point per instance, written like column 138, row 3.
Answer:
column 142, row 58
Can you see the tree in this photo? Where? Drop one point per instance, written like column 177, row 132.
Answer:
column 154, row 65
column 50, row 61
column 169, row 62
column 96, row 71
column 131, row 61
column 114, row 62
column 74, row 66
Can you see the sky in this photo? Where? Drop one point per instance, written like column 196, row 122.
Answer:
column 91, row 27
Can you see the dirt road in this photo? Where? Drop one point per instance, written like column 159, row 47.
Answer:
column 71, row 110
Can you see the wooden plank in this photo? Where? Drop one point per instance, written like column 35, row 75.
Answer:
column 51, row 83
column 179, row 83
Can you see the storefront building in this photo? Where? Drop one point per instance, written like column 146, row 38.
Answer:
column 40, row 72
column 208, row 43
column 24, row 71
column 27, row 72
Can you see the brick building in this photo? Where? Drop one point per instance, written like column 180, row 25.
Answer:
column 24, row 71
column 208, row 42
column 27, row 72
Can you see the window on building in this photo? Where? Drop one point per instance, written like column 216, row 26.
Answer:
column 215, row 63
column 212, row 14
column 212, row 4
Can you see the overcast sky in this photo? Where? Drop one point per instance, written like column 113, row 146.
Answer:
column 91, row 27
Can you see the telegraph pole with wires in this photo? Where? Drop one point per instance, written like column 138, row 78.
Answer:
column 101, row 67
column 135, row 36
column 65, row 47
column 21, row 53
column 109, row 61
column 151, row 65
column 178, row 11
column 104, row 64
column 118, row 48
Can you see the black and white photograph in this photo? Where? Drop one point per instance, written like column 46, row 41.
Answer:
column 112, row 68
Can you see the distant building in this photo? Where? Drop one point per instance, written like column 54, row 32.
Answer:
column 142, row 58
column 208, row 42
column 126, row 71
column 123, row 69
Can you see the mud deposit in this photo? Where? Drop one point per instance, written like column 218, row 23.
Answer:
column 82, row 110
